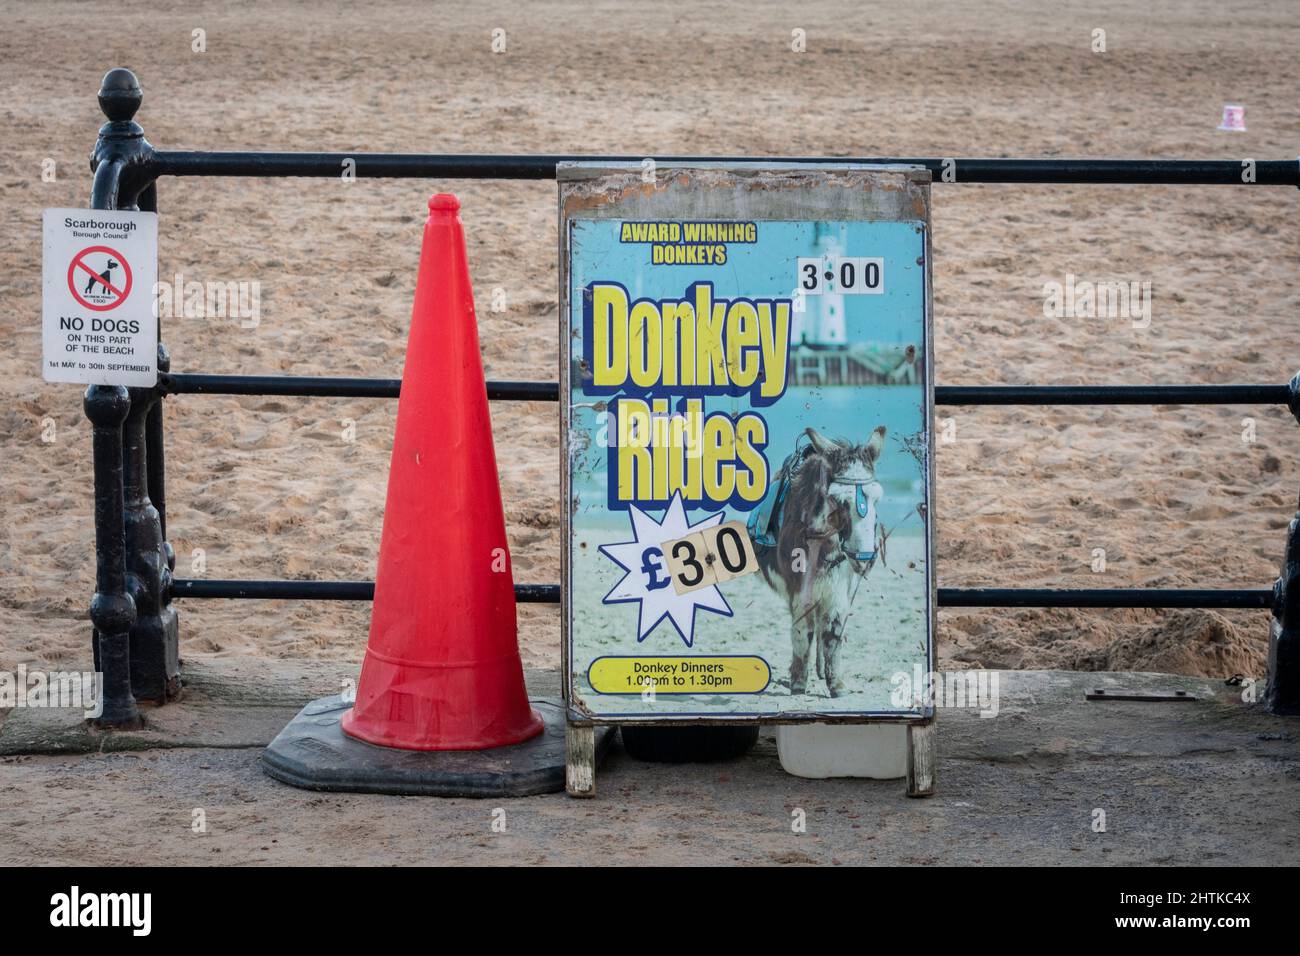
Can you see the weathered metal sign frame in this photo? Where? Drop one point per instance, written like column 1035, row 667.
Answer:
column 762, row 194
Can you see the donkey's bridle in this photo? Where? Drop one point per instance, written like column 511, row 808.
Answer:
column 863, row 500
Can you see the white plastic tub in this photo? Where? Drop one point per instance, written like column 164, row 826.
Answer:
column 875, row 751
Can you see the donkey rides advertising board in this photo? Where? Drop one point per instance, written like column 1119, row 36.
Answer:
column 747, row 397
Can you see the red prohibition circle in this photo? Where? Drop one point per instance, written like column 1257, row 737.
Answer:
column 78, row 270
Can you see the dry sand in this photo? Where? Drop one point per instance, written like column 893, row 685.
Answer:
column 270, row 488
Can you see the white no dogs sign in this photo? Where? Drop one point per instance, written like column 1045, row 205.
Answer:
column 100, row 272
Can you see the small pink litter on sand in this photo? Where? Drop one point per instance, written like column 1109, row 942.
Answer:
column 1234, row 119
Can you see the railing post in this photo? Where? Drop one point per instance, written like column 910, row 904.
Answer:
column 155, row 665
column 158, row 470
column 157, row 467
column 124, row 179
column 112, row 611
column 1282, row 695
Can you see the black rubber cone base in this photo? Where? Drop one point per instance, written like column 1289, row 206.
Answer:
column 313, row 752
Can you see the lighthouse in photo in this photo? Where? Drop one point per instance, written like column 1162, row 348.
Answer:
column 821, row 323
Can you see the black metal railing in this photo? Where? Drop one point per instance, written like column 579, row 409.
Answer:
column 318, row 387
column 1247, row 599
column 1136, row 172
column 136, row 631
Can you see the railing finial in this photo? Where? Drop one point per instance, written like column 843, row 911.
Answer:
column 120, row 95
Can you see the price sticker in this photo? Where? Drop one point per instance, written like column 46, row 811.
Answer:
column 845, row 275
column 711, row 556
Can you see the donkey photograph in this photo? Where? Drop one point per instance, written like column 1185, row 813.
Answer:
column 826, row 543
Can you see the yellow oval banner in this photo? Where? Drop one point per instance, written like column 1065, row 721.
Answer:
column 679, row 675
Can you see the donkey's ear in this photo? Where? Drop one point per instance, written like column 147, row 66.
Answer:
column 821, row 444
column 876, row 444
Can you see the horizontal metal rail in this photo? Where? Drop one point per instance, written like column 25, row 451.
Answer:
column 1137, row 172
column 320, row 387
column 1112, row 394
column 296, row 385
column 323, row 590
column 948, row 597
column 276, row 590
column 188, row 383
column 1106, row 597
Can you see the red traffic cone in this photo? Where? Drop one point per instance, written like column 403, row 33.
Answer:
column 442, row 670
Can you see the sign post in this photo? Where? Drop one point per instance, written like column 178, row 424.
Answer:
column 100, row 325
column 747, row 396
